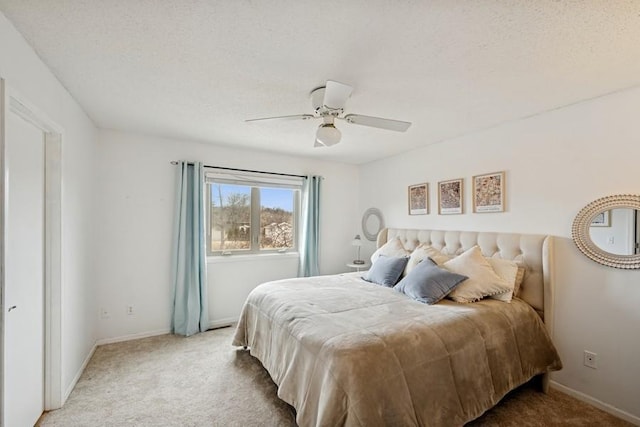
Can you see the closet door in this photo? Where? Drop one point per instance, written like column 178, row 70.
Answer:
column 23, row 374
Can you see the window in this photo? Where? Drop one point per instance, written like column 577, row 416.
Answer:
column 249, row 213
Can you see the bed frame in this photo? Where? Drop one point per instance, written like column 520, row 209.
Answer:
column 533, row 251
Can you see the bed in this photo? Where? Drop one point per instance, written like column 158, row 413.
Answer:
column 344, row 351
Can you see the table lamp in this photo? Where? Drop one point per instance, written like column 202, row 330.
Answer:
column 357, row 242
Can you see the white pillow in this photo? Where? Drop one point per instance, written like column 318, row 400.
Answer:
column 393, row 248
column 508, row 270
column 483, row 280
column 423, row 252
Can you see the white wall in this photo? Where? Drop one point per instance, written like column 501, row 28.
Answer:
column 25, row 73
column 134, row 213
column 555, row 164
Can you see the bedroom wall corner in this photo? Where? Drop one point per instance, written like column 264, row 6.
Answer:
column 136, row 184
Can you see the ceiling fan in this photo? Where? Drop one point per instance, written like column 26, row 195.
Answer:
column 328, row 104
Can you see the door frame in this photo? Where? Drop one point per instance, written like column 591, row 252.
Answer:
column 11, row 102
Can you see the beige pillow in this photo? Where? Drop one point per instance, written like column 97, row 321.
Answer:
column 419, row 254
column 393, row 248
column 441, row 258
column 508, row 270
column 482, row 279
column 519, row 279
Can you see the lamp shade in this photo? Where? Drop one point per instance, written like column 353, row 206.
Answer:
column 356, row 241
column 328, row 134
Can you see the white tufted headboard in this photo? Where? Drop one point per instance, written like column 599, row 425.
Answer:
column 533, row 251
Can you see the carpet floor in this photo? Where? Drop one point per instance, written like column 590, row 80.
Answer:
column 204, row 381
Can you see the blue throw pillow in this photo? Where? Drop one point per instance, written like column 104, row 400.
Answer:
column 429, row 283
column 386, row 270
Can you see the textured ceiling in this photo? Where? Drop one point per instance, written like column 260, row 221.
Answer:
column 196, row 69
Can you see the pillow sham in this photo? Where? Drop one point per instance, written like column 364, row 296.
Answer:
column 482, row 281
column 428, row 283
column 386, row 270
column 420, row 254
column 393, row 248
column 508, row 270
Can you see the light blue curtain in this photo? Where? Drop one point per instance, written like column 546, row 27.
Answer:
column 309, row 235
column 190, row 311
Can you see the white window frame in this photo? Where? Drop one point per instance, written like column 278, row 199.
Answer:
column 255, row 181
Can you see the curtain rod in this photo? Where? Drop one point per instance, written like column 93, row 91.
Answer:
column 245, row 170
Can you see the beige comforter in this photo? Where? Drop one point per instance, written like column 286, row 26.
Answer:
column 346, row 352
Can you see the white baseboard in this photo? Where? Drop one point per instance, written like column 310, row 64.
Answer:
column 597, row 403
column 222, row 322
column 212, row 325
column 133, row 336
column 78, row 374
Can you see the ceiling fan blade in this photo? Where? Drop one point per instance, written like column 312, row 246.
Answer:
column 336, row 94
column 377, row 122
column 293, row 117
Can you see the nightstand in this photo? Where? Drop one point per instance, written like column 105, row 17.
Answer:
column 359, row 267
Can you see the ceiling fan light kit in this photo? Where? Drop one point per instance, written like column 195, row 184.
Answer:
column 328, row 104
column 328, row 134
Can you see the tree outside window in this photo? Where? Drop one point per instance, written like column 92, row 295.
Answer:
column 250, row 219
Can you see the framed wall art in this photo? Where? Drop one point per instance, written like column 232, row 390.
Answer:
column 450, row 197
column 601, row 219
column 488, row 192
column 419, row 199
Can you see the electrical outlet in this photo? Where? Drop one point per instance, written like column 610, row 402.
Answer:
column 104, row 313
column 130, row 311
column 590, row 359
